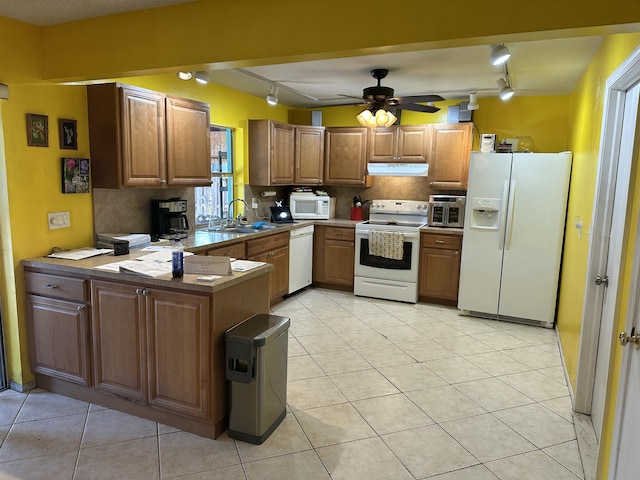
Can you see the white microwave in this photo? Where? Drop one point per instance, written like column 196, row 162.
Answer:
column 308, row 206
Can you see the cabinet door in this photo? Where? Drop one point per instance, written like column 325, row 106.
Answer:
column 59, row 338
column 413, row 143
column 279, row 258
column 339, row 262
column 450, row 153
column 282, row 153
column 383, row 145
column 143, row 138
column 179, row 351
column 439, row 273
column 119, row 341
column 345, row 155
column 188, row 143
column 309, row 155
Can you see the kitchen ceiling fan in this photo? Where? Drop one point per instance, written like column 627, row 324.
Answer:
column 379, row 96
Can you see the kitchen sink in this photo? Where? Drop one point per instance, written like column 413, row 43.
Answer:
column 249, row 228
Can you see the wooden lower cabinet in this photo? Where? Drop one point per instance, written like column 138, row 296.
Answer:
column 59, row 338
column 119, row 340
column 178, row 333
column 273, row 249
column 151, row 346
column 439, row 271
column 333, row 256
column 235, row 250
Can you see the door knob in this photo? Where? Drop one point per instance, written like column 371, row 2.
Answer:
column 634, row 338
column 602, row 280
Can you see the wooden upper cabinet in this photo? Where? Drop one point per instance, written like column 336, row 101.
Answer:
column 345, row 155
column 402, row 143
column 271, row 152
column 284, row 154
column 188, row 142
column 139, row 138
column 309, row 155
column 450, row 153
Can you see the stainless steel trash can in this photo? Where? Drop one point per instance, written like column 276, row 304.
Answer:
column 256, row 367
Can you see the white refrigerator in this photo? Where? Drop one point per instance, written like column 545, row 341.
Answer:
column 513, row 234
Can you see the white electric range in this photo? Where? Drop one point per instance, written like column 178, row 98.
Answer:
column 389, row 278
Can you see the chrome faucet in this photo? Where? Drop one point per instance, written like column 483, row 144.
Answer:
column 230, row 220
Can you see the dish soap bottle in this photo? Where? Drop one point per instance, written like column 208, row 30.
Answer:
column 177, row 259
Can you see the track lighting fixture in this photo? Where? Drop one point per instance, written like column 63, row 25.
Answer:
column 499, row 54
column 506, row 92
column 272, row 98
column 473, row 101
column 202, row 77
column 376, row 117
column 185, row 75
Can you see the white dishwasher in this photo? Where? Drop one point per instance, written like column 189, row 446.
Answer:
column 300, row 258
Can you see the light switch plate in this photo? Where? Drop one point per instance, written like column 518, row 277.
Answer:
column 59, row 220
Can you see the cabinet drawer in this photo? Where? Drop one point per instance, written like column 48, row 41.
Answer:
column 450, row 242
column 236, row 250
column 56, row 286
column 266, row 244
column 334, row 233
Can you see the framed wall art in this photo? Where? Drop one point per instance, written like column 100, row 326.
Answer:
column 75, row 175
column 68, row 133
column 37, row 130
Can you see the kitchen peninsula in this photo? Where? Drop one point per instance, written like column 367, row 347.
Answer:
column 148, row 346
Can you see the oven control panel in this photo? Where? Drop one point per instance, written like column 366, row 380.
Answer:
column 400, row 207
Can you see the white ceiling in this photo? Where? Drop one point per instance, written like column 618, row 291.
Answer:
column 542, row 67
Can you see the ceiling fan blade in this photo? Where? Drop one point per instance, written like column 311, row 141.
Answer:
column 417, row 108
column 419, row 99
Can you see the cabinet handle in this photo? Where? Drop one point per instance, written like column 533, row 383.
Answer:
column 48, row 285
column 163, row 181
column 81, row 307
column 439, row 241
column 142, row 291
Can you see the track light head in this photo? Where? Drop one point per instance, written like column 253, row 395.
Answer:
column 506, row 92
column 499, row 54
column 473, row 101
column 272, row 98
column 202, row 77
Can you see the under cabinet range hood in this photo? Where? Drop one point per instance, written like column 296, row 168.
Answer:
column 398, row 169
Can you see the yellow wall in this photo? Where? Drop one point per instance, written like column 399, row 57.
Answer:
column 585, row 126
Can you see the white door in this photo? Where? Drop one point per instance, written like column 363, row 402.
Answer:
column 482, row 240
column 533, row 235
column 610, row 293
column 624, row 451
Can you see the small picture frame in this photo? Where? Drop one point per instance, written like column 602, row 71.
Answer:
column 75, row 175
column 37, row 130
column 68, row 133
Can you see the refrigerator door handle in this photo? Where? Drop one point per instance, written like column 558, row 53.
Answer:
column 503, row 214
column 509, row 228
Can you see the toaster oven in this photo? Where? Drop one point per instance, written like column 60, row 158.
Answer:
column 446, row 211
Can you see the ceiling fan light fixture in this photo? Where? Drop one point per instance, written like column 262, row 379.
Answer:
column 473, row 101
column 202, row 77
column 499, row 54
column 272, row 98
column 185, row 75
column 381, row 118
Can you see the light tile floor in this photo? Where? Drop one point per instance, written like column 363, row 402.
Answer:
column 377, row 390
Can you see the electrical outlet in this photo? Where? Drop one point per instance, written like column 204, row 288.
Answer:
column 59, row 220
column 254, row 203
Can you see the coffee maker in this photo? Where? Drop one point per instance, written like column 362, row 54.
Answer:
column 169, row 218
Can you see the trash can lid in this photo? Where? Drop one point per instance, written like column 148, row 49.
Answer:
column 257, row 329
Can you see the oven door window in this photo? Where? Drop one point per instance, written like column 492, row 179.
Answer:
column 438, row 215
column 382, row 262
column 454, row 215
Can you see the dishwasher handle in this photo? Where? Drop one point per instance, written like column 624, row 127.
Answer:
column 301, row 232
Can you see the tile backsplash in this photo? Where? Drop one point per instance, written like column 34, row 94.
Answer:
column 129, row 210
